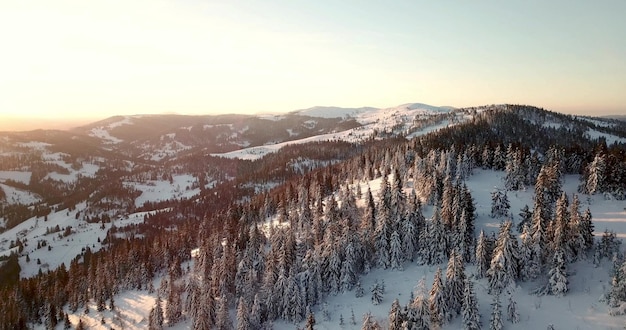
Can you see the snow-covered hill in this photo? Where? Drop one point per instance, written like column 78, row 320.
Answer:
column 409, row 120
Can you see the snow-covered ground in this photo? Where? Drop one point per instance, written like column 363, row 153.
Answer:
column 19, row 196
column 18, row 176
column 372, row 119
column 161, row 190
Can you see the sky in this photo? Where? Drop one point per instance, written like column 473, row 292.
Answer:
column 68, row 61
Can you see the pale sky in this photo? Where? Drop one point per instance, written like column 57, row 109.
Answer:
column 77, row 60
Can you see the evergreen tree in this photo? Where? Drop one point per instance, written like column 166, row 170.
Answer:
column 586, row 229
column 455, row 281
column 499, row 204
column 437, row 304
column 496, row 314
column 358, row 291
column 526, row 261
column 310, row 321
column 369, row 322
column 470, row 312
column 558, row 283
column 576, row 243
column 512, row 314
column 435, row 247
column 525, row 218
column 396, row 253
column 504, row 266
column 596, row 171
column 223, row 321
column 561, row 235
column 482, row 256
column 377, row 293
column 395, row 316
column 243, row 316
column 173, row 309
column 155, row 318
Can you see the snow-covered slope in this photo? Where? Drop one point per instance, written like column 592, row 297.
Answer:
column 410, row 120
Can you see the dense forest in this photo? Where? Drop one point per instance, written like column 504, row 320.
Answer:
column 277, row 254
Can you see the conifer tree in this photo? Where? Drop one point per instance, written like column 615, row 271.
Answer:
column 396, row 253
column 155, row 318
column 434, row 250
column 595, row 180
column 395, row 316
column 576, row 243
column 470, row 312
column 496, row 314
column 482, row 256
column 526, row 256
column 437, row 304
column 173, row 309
column 455, row 281
column 525, row 218
column 512, row 314
column 377, row 293
column 586, row 229
column 558, row 283
column 310, row 321
column 561, row 235
column 499, row 204
column 504, row 266
column 369, row 322
column 223, row 321
column 243, row 316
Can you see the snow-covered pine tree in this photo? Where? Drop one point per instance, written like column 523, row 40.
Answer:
column 596, row 175
column 369, row 322
column 255, row 313
column 411, row 227
column 437, row 304
column 576, row 242
column 243, row 316
column 155, row 318
column 174, row 308
column 418, row 312
column 395, row 316
column 482, row 256
column 223, row 321
column 526, row 256
column 470, row 312
column 586, row 229
column 511, row 311
column 561, row 235
column 525, row 218
column 202, row 310
column 446, row 204
column 495, row 322
column 435, row 247
column 515, row 173
column 377, row 293
column 358, row 291
column 558, row 283
column 499, row 204
column 617, row 295
column 455, row 281
column 310, row 321
column 504, row 266
column 396, row 253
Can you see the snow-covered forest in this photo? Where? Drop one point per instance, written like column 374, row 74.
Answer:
column 487, row 223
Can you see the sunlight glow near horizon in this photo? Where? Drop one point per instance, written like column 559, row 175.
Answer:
column 93, row 59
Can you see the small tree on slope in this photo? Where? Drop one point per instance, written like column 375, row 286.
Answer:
column 496, row 314
column 470, row 313
column 558, row 283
